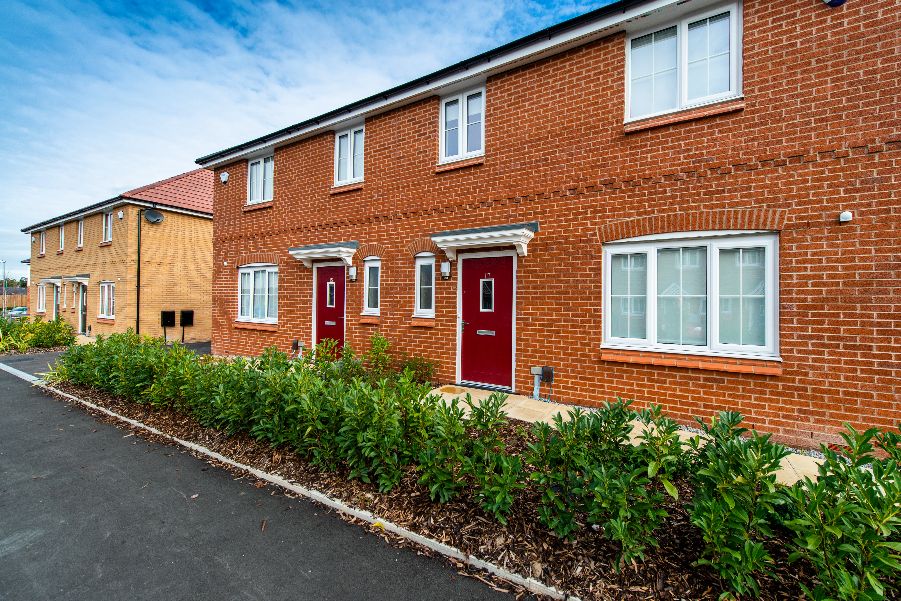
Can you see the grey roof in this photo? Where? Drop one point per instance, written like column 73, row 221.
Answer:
column 617, row 6
column 530, row 225
column 349, row 244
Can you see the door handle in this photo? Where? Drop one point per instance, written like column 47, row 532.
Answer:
column 463, row 324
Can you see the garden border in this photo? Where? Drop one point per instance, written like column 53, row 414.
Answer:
column 528, row 583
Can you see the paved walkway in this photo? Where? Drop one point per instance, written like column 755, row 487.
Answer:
column 88, row 511
column 794, row 467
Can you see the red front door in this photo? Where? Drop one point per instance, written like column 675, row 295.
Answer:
column 329, row 320
column 486, row 337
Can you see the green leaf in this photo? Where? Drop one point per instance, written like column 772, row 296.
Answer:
column 670, row 488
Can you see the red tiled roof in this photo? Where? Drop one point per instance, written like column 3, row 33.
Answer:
column 192, row 191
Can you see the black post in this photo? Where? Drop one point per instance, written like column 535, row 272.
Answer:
column 138, row 291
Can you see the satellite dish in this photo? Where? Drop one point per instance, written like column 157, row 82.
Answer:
column 153, row 216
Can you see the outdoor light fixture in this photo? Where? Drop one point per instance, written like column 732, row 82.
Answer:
column 352, row 273
column 845, row 216
column 834, row 3
column 445, row 270
column 223, row 177
column 121, row 214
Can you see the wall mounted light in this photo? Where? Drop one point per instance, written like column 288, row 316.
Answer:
column 352, row 273
column 834, row 3
column 445, row 270
column 121, row 214
column 845, row 216
column 223, row 177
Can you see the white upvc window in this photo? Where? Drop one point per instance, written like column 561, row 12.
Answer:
column 258, row 293
column 42, row 242
column 372, row 280
column 462, row 128
column 42, row 298
column 107, row 300
column 79, row 242
column 260, row 173
column 712, row 293
column 62, row 236
column 424, row 305
column 692, row 62
column 107, row 227
column 349, row 156
column 62, row 293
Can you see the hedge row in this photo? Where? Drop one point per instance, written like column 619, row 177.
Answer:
column 379, row 422
column 25, row 334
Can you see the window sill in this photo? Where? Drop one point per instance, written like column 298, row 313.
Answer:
column 460, row 164
column 252, row 325
column 422, row 322
column 690, row 114
column 107, row 243
column 372, row 320
column 79, row 248
column 41, row 255
column 59, row 252
column 762, row 366
column 106, row 319
column 40, row 312
column 257, row 206
column 346, row 188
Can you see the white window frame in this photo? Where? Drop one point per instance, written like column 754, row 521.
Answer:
column 352, row 178
column 62, row 236
column 262, row 182
column 714, row 242
column 461, row 129
column 482, row 308
column 367, row 263
column 107, row 227
column 42, row 242
column 79, row 242
column 268, row 268
column 62, row 293
column 107, row 309
column 735, row 63
column 418, row 311
column 42, row 299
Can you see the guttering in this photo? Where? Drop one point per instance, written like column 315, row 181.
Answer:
column 109, row 204
column 554, row 39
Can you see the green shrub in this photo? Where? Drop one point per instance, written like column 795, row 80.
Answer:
column 421, row 370
column 443, row 455
column 25, row 334
column 734, row 501
column 847, row 522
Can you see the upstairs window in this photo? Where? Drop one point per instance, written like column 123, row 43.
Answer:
column 108, row 227
column 42, row 242
column 372, row 276
column 349, row 156
column 692, row 62
column 62, row 237
column 700, row 294
column 107, row 300
column 259, row 180
column 462, row 133
column 258, row 293
column 79, row 242
column 425, row 286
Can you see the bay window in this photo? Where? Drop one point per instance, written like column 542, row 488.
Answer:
column 349, row 156
column 693, row 62
column 424, row 304
column 713, row 293
column 260, row 180
column 462, row 130
column 372, row 271
column 258, row 293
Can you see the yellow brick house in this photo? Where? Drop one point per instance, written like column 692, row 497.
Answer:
column 122, row 262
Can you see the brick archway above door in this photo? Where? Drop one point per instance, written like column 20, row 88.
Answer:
column 422, row 245
column 753, row 218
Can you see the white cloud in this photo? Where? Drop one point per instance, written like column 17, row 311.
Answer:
column 94, row 101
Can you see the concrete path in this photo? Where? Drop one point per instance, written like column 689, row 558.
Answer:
column 90, row 512
column 794, row 467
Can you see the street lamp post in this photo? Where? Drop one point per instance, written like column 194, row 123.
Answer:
column 3, row 262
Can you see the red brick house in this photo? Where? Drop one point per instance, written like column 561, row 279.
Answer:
column 688, row 203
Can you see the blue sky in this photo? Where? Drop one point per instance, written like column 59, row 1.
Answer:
column 100, row 97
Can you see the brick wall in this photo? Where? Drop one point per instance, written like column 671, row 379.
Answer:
column 817, row 132
column 176, row 267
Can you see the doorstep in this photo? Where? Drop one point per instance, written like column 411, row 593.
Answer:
column 794, row 467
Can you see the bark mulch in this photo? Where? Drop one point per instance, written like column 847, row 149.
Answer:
column 34, row 351
column 583, row 567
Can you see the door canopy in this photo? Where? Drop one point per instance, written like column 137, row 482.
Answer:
column 517, row 235
column 342, row 251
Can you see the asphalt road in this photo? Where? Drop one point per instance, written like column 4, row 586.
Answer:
column 89, row 512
